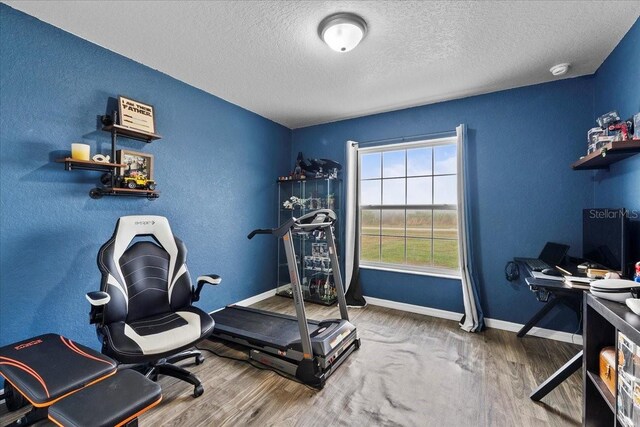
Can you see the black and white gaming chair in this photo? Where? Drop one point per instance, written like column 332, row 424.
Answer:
column 144, row 313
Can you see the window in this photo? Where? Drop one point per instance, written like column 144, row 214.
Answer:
column 408, row 207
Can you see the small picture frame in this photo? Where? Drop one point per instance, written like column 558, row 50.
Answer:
column 136, row 115
column 138, row 165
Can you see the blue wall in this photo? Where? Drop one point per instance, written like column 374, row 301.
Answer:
column 523, row 192
column 617, row 87
column 210, row 167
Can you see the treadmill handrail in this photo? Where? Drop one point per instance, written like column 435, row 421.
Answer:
column 278, row 232
column 259, row 231
column 298, row 225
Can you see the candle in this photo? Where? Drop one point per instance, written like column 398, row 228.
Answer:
column 80, row 151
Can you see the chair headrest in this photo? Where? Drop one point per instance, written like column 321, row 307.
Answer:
column 129, row 227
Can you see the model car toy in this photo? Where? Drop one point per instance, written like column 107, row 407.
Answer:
column 139, row 182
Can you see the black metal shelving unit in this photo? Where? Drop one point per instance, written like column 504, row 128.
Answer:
column 111, row 171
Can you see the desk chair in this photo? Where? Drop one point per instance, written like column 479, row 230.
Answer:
column 144, row 313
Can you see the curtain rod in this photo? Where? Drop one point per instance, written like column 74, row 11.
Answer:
column 434, row 135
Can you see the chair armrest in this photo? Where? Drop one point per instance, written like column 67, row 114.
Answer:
column 98, row 301
column 208, row 279
column 212, row 279
column 98, row 298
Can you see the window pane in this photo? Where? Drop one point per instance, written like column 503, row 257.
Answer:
column 370, row 248
column 370, row 192
column 445, row 190
column 419, row 251
column 393, row 222
column 393, row 250
column 419, row 161
column 393, row 192
column 419, row 191
column 423, row 237
column 393, row 164
column 445, row 224
column 370, row 166
column 419, row 223
column 444, row 157
column 445, row 253
column 370, row 221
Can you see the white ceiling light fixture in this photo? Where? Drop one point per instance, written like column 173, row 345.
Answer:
column 342, row 31
column 560, row 69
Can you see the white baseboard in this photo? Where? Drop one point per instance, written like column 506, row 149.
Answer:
column 427, row 311
column 489, row 323
column 257, row 298
column 252, row 300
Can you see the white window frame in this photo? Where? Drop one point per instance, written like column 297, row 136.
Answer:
column 405, row 268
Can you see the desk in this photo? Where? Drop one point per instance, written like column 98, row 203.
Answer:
column 552, row 293
column 562, row 294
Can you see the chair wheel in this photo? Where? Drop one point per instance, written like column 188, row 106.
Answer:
column 198, row 390
column 199, row 359
column 13, row 399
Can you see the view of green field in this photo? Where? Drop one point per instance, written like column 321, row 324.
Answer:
column 418, row 238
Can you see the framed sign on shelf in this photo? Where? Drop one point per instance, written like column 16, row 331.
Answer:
column 136, row 115
column 138, row 165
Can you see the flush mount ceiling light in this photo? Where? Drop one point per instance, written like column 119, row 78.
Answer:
column 560, row 69
column 342, row 31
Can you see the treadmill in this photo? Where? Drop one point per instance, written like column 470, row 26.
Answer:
column 306, row 349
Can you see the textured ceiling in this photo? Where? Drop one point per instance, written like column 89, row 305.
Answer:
column 266, row 56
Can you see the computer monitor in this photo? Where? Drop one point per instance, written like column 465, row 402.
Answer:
column 605, row 238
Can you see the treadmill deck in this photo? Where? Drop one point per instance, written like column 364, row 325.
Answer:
column 273, row 329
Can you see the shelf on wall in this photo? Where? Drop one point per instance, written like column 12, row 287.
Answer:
column 97, row 193
column 130, row 133
column 71, row 164
column 610, row 153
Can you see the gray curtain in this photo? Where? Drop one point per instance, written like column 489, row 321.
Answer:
column 473, row 320
column 353, row 291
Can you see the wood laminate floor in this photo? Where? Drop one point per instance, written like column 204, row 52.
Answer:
column 411, row 370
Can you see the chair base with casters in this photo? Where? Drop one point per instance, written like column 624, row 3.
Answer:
column 167, row 367
column 33, row 375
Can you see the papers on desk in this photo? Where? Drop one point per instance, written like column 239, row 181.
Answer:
column 578, row 282
column 577, row 285
column 539, row 275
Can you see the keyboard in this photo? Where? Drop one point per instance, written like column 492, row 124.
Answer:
column 535, row 264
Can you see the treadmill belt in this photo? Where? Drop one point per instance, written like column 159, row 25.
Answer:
column 259, row 326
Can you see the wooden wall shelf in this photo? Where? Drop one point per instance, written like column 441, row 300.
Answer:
column 71, row 164
column 99, row 192
column 610, row 153
column 130, row 133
